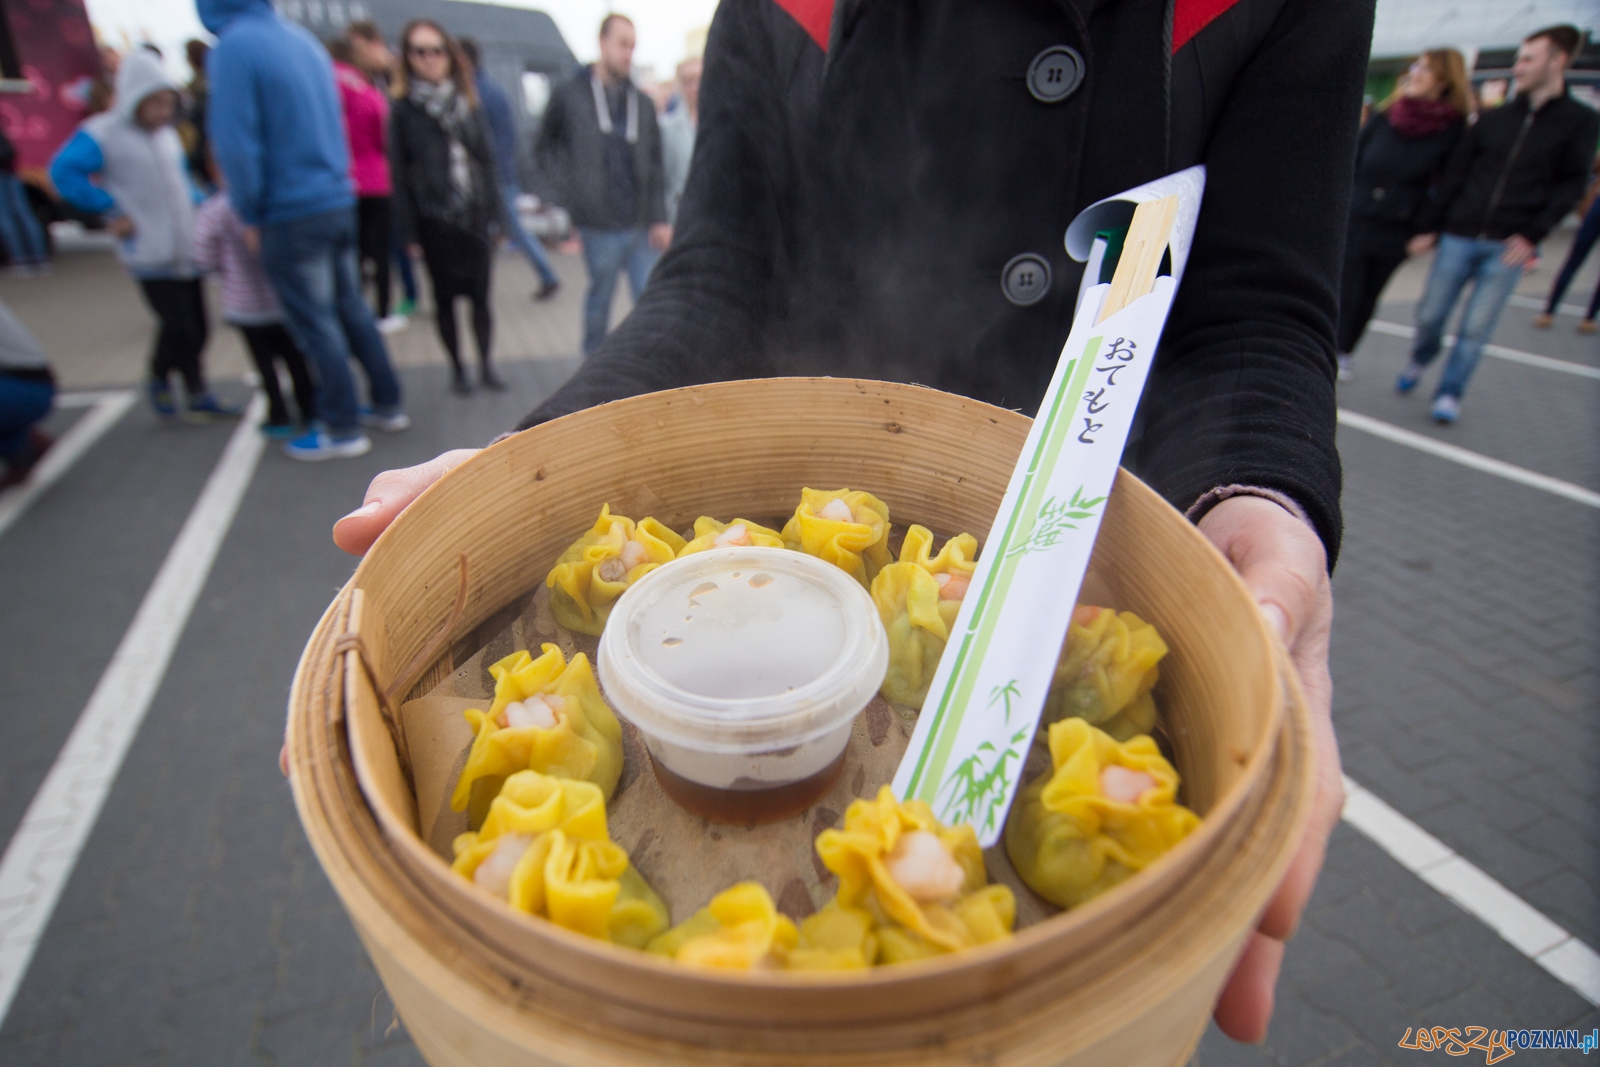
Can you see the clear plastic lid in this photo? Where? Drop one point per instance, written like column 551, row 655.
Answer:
column 741, row 650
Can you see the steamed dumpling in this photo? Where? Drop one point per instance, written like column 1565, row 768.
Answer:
column 544, row 848
column 547, row 716
column 1107, row 811
column 847, row 528
column 595, row 569
column 1106, row 671
column 918, row 599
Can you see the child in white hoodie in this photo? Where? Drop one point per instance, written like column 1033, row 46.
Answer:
column 128, row 165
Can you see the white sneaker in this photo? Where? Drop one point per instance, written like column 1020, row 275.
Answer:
column 1346, row 367
column 316, row 445
column 1446, row 409
column 394, row 422
column 393, row 323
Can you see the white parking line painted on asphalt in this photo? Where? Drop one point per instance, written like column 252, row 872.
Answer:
column 1533, row 303
column 87, row 398
column 1467, row 457
column 1510, row 355
column 1523, row 926
column 45, row 848
column 104, row 411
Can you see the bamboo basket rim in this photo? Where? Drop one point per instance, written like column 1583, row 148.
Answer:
column 397, row 835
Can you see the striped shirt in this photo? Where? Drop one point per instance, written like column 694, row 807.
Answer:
column 247, row 296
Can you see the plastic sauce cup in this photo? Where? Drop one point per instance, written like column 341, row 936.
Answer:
column 743, row 669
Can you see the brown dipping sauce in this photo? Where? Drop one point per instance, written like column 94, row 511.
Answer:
column 748, row 806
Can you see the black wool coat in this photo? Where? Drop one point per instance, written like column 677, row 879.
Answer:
column 570, row 154
column 1396, row 178
column 419, row 167
column 851, row 209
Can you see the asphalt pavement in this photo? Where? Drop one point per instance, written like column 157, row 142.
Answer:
column 196, row 926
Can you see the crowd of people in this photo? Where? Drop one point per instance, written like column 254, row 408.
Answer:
column 306, row 211
column 1478, row 189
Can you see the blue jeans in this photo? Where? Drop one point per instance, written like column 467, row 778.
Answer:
column 1460, row 260
column 22, row 403
column 525, row 242
column 1588, row 233
column 19, row 226
column 311, row 262
column 606, row 252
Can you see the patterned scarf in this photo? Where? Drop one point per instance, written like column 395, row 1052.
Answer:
column 451, row 111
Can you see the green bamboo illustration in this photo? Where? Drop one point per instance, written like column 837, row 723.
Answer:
column 976, row 788
column 1054, row 520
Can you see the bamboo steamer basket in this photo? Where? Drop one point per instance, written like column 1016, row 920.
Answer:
column 1127, row 979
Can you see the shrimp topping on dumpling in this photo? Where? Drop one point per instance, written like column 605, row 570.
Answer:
column 740, row 533
column 1120, row 783
column 538, row 710
column 596, row 568
column 924, row 868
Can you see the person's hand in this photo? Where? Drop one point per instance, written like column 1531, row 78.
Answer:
column 1519, row 250
column 1422, row 242
column 660, row 236
column 1284, row 566
column 414, row 250
column 387, row 496
column 120, row 227
column 252, row 240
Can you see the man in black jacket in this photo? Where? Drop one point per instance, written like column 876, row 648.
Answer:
column 1513, row 177
column 881, row 189
column 600, row 148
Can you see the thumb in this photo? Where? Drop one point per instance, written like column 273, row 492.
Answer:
column 389, row 494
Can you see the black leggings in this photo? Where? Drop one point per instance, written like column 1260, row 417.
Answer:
column 373, row 224
column 180, row 305
column 458, row 264
column 1365, row 275
column 270, row 344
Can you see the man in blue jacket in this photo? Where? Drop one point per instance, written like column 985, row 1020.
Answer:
column 503, row 131
column 277, row 134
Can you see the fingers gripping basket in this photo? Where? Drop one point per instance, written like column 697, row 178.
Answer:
column 1127, row 979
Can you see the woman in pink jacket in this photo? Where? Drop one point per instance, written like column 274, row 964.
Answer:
column 366, row 124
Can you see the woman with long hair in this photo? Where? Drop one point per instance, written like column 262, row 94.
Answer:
column 1400, row 155
column 445, row 196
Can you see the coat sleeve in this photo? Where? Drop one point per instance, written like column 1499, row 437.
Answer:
column 1242, row 391
column 70, row 170
column 234, row 124
column 550, row 146
column 701, row 318
column 1431, row 217
column 402, row 205
column 488, row 162
column 1571, row 178
column 655, row 185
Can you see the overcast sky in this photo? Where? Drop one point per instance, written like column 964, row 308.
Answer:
column 662, row 25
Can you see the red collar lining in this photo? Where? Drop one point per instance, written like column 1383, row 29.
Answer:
column 1189, row 17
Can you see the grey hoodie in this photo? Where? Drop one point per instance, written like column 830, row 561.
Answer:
column 137, row 173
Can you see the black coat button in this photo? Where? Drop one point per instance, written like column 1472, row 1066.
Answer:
column 1026, row 279
column 1055, row 74
column 1378, row 194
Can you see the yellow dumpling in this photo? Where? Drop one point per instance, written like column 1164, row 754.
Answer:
column 740, row 929
column 918, row 599
column 857, row 542
column 923, row 884
column 836, row 939
column 1107, row 811
column 709, row 533
column 596, row 568
column 544, row 849
column 547, row 716
column 1106, row 671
